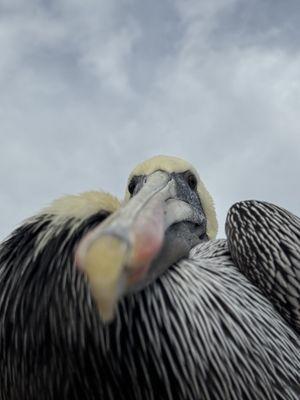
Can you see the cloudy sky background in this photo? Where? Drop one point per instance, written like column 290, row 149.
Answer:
column 90, row 88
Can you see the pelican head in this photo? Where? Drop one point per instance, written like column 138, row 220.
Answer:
column 167, row 211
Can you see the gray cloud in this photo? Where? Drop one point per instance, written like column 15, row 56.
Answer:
column 259, row 23
column 89, row 89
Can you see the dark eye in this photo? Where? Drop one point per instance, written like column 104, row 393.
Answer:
column 192, row 181
column 132, row 185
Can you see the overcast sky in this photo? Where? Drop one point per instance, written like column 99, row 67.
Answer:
column 90, row 88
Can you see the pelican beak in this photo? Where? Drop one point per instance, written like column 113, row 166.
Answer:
column 116, row 256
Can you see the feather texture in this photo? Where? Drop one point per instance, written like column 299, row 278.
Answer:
column 202, row 331
column 264, row 241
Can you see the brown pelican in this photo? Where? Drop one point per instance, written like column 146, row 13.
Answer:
column 173, row 199
column 197, row 329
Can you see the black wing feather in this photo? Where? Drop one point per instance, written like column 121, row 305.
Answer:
column 264, row 241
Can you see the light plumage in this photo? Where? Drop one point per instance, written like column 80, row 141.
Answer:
column 175, row 164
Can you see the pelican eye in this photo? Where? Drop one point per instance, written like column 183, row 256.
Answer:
column 132, row 185
column 192, row 181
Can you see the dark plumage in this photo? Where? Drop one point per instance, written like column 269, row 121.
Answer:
column 264, row 242
column 201, row 331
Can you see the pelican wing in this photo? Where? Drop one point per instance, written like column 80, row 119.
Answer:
column 264, row 241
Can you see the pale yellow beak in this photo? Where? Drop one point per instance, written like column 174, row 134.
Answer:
column 118, row 253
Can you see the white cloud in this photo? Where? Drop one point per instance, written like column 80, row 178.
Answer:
column 88, row 89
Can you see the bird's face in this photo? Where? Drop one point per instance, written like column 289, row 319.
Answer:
column 166, row 212
column 171, row 214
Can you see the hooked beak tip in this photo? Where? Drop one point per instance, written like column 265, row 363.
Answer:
column 102, row 261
